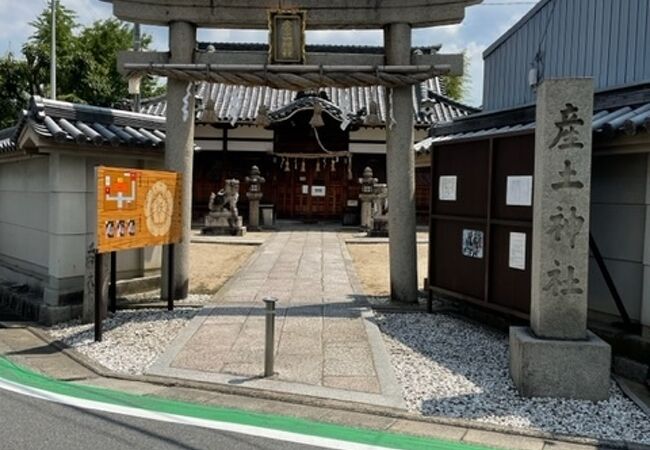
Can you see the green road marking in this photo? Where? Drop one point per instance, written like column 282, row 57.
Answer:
column 21, row 375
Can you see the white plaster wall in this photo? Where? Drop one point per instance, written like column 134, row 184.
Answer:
column 24, row 204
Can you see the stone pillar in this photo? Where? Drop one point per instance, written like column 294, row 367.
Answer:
column 558, row 356
column 400, row 161
column 367, row 197
column 179, row 146
column 254, row 194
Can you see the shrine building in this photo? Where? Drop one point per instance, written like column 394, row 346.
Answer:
column 304, row 143
column 311, row 147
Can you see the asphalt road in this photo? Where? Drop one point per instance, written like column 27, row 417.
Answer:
column 27, row 423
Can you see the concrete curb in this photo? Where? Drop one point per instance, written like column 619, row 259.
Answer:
column 343, row 406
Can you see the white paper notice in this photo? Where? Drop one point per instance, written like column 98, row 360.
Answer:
column 318, row 191
column 520, row 191
column 305, row 189
column 517, row 251
column 447, row 188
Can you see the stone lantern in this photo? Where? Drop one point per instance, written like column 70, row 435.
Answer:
column 367, row 197
column 254, row 194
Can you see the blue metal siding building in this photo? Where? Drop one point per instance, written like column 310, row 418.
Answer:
column 605, row 39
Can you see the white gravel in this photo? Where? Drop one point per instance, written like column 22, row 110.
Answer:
column 452, row 368
column 132, row 339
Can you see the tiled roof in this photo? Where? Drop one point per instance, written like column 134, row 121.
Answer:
column 629, row 120
column 241, row 104
column 65, row 122
column 7, row 141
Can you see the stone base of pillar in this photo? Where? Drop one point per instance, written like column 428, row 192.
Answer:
column 561, row 369
column 223, row 224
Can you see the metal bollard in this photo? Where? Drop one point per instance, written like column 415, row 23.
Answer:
column 270, row 336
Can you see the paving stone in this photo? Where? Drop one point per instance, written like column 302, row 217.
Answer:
column 307, row 369
column 202, row 359
column 132, row 387
column 569, row 446
column 359, row 384
column 425, row 429
column 348, row 359
column 20, row 340
column 344, row 330
column 58, row 366
column 357, row 420
column 244, row 369
column 501, row 440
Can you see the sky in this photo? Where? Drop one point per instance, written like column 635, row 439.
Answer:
column 483, row 24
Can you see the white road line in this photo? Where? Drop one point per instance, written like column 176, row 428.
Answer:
column 185, row 420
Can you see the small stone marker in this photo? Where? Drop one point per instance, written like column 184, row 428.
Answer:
column 558, row 356
column 88, row 314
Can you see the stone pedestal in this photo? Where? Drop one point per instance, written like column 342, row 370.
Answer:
column 557, row 356
column 223, row 224
column 254, row 211
column 367, row 198
column 379, row 227
column 366, row 211
column 254, row 194
column 555, row 368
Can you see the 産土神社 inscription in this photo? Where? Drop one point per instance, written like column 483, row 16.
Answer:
column 561, row 211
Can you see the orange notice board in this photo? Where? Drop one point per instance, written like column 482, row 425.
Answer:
column 137, row 208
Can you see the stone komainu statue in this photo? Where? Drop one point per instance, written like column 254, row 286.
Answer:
column 226, row 199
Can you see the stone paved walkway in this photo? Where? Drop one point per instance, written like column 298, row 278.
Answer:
column 325, row 342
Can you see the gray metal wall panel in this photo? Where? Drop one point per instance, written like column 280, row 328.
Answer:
column 606, row 39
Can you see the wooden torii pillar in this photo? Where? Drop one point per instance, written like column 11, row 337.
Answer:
column 183, row 66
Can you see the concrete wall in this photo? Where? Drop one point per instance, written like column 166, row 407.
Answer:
column 24, row 221
column 47, row 217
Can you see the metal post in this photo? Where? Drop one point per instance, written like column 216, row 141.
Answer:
column 270, row 336
column 53, row 53
column 170, row 277
column 99, row 292
column 112, row 288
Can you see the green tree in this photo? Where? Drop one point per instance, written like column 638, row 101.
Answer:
column 37, row 50
column 14, row 89
column 86, row 58
column 457, row 87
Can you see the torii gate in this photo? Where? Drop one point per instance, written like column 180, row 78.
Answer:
column 398, row 70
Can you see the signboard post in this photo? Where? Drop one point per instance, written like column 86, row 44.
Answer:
column 135, row 209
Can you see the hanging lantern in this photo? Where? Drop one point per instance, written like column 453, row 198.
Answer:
column 295, row 164
column 333, row 166
column 372, row 119
column 318, row 165
column 302, row 166
column 317, row 119
column 287, row 166
column 262, row 119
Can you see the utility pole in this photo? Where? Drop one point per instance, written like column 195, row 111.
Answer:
column 137, row 46
column 53, row 53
